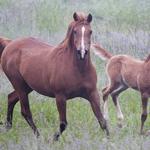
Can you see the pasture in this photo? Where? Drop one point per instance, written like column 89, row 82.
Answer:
column 122, row 27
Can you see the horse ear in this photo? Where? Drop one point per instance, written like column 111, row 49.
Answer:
column 75, row 16
column 89, row 18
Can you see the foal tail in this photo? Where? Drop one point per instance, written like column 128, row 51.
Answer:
column 3, row 43
column 101, row 52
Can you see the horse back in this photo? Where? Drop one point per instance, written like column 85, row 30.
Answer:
column 24, row 47
column 29, row 43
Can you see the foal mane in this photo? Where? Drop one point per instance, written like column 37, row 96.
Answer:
column 72, row 25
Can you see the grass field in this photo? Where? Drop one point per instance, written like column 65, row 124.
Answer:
column 120, row 26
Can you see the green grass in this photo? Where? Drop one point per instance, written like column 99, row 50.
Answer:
column 83, row 131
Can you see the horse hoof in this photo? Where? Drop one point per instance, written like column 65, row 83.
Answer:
column 147, row 133
column 120, row 125
column 37, row 133
column 8, row 126
column 142, row 133
column 107, row 131
column 56, row 137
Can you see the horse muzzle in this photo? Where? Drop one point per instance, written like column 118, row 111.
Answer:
column 82, row 54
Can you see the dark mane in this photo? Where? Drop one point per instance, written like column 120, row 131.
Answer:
column 148, row 58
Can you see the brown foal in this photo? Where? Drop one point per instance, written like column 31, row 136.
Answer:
column 63, row 72
column 125, row 72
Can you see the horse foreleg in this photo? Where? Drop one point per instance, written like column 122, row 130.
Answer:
column 144, row 111
column 94, row 100
column 61, row 107
column 12, row 100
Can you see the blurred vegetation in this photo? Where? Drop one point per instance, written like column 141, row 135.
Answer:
column 120, row 26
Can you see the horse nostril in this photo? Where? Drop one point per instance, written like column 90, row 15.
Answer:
column 78, row 51
column 86, row 51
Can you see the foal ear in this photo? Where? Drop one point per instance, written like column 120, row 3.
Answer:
column 75, row 16
column 89, row 18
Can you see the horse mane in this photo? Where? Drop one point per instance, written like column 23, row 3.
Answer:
column 66, row 41
column 148, row 58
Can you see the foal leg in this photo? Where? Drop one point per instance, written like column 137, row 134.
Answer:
column 25, row 111
column 94, row 100
column 12, row 100
column 120, row 116
column 105, row 99
column 144, row 111
column 61, row 107
column 114, row 96
column 106, row 92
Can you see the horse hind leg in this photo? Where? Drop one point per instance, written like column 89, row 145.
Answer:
column 144, row 111
column 12, row 100
column 22, row 89
column 26, row 113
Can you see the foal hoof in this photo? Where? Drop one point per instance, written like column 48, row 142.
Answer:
column 120, row 125
column 56, row 136
column 8, row 126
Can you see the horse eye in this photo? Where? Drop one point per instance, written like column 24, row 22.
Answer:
column 91, row 32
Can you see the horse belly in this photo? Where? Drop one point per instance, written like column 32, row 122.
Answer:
column 144, row 81
column 40, row 87
column 130, row 78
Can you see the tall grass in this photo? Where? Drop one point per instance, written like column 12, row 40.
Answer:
column 121, row 27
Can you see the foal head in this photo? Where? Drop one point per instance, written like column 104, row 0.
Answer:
column 80, row 34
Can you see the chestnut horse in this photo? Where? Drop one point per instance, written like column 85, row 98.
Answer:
column 125, row 72
column 63, row 72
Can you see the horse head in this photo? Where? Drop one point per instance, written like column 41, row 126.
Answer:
column 79, row 34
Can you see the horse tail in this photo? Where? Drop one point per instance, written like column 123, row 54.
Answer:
column 3, row 43
column 101, row 52
column 148, row 58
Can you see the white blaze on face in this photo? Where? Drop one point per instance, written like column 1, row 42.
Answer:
column 82, row 42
